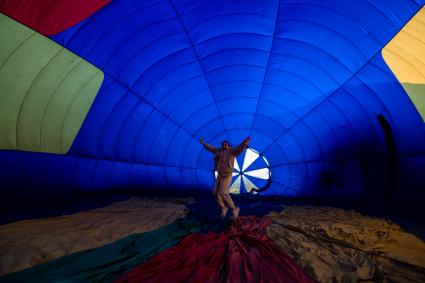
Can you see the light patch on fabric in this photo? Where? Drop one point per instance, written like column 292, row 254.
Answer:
column 405, row 55
column 245, row 179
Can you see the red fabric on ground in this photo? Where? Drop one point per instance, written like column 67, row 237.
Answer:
column 244, row 253
column 50, row 17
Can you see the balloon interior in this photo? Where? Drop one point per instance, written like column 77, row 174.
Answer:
column 212, row 141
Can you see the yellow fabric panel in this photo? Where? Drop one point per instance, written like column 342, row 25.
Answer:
column 405, row 55
column 45, row 91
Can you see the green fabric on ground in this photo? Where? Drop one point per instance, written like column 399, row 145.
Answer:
column 104, row 264
column 26, row 243
column 45, row 90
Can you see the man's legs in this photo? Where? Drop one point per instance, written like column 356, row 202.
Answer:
column 223, row 196
column 217, row 196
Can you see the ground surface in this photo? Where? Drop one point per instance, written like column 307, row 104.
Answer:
column 99, row 238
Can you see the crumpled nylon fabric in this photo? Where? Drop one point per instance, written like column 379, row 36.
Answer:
column 26, row 243
column 243, row 253
column 336, row 245
column 105, row 263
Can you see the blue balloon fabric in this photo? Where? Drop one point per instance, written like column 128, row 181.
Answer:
column 304, row 78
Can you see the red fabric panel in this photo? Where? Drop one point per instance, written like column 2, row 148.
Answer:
column 50, row 17
column 244, row 253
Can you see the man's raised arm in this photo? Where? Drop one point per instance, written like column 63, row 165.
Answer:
column 238, row 150
column 208, row 147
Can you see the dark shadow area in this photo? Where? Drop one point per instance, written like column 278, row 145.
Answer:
column 409, row 215
column 391, row 157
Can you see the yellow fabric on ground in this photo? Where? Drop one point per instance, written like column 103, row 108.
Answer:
column 405, row 55
column 30, row 242
column 335, row 245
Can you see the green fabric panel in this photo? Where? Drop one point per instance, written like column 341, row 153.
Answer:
column 78, row 107
column 106, row 263
column 417, row 95
column 45, row 91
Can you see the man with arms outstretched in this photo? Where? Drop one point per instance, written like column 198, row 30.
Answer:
column 224, row 159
